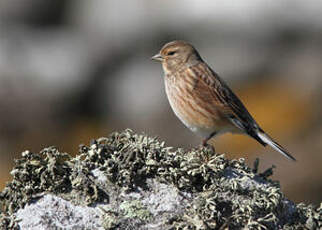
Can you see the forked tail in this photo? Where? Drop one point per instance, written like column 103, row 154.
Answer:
column 268, row 140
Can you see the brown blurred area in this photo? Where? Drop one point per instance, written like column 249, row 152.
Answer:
column 71, row 71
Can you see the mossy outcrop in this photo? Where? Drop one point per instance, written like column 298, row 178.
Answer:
column 131, row 181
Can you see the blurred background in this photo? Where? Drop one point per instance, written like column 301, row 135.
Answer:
column 71, row 71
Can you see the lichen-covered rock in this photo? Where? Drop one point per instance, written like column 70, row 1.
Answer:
column 131, row 181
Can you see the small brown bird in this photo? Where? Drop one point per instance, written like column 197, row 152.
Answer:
column 202, row 100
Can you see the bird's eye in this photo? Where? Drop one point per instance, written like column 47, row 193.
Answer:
column 171, row 53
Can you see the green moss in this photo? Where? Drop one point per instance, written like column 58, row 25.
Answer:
column 223, row 193
column 8, row 222
column 135, row 209
column 33, row 174
column 49, row 172
column 109, row 219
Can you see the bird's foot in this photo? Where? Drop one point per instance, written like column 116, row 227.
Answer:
column 208, row 151
column 208, row 146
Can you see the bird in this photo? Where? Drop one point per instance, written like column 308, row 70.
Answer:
column 203, row 101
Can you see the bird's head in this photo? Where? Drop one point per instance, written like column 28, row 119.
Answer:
column 177, row 55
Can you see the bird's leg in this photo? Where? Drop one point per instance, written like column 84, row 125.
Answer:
column 204, row 141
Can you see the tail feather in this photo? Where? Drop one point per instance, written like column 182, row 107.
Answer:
column 268, row 140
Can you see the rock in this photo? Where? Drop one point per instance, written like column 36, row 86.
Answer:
column 131, row 181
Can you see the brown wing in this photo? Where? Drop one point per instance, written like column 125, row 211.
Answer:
column 225, row 100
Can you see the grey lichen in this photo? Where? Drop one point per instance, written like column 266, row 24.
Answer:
column 52, row 212
column 138, row 183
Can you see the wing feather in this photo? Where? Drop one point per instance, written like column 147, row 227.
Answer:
column 225, row 100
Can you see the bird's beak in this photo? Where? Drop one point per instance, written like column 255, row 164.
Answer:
column 157, row 57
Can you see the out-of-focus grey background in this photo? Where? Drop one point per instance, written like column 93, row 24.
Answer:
column 74, row 70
